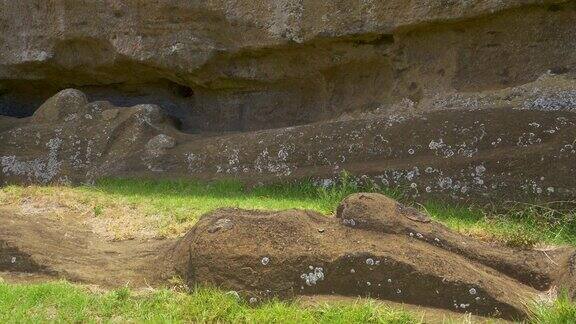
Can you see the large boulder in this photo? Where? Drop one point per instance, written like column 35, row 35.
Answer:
column 374, row 247
column 69, row 140
column 515, row 143
column 454, row 99
column 69, row 103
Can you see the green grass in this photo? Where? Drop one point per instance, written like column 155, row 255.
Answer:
column 64, row 302
column 563, row 311
column 174, row 206
column 517, row 225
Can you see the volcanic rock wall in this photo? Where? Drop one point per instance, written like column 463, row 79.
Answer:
column 245, row 65
column 448, row 97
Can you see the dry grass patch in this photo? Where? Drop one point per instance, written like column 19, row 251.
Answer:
column 124, row 209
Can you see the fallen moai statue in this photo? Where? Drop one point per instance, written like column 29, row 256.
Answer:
column 516, row 143
column 374, row 247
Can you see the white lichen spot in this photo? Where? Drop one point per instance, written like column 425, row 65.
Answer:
column 314, row 277
column 265, row 260
column 534, row 124
column 349, row 222
column 480, row 169
column 40, row 169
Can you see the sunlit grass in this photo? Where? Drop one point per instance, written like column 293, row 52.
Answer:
column 562, row 311
column 519, row 225
column 67, row 303
column 169, row 208
column 62, row 302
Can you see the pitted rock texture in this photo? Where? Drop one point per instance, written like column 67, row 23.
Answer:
column 225, row 65
column 372, row 248
column 69, row 140
column 515, row 143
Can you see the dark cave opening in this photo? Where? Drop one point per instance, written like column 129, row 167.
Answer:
column 184, row 91
column 555, row 8
column 194, row 109
column 20, row 99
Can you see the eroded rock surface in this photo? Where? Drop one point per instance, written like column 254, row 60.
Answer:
column 68, row 248
column 462, row 99
column 224, row 65
column 516, row 143
column 375, row 248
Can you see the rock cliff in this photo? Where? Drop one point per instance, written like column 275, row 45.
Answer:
column 439, row 96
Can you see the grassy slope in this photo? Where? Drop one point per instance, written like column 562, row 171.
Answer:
column 63, row 302
column 171, row 207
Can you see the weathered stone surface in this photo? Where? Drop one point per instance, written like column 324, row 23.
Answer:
column 515, row 143
column 79, row 147
column 224, row 65
column 371, row 249
column 110, row 114
column 455, row 98
column 66, row 104
column 160, row 143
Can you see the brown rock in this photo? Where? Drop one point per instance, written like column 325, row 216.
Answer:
column 381, row 254
column 515, row 143
column 269, row 64
column 69, row 103
column 160, row 143
column 262, row 255
column 110, row 114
